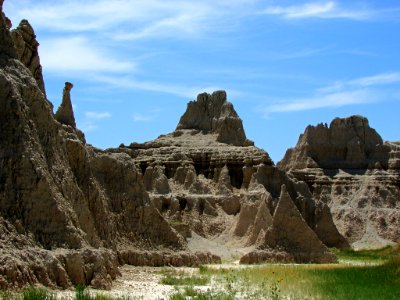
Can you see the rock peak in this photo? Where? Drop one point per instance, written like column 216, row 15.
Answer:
column 212, row 113
column 26, row 47
column 347, row 143
column 65, row 113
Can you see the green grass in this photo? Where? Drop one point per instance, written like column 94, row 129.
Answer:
column 377, row 278
column 191, row 293
column 361, row 282
column 184, row 280
column 368, row 256
column 34, row 293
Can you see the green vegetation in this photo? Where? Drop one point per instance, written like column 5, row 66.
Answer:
column 81, row 293
column 373, row 274
column 199, row 295
column 378, row 256
column 179, row 278
column 33, row 293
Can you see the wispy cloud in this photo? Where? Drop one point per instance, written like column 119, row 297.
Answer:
column 363, row 82
column 357, row 91
column 137, row 117
column 91, row 120
column 131, row 83
column 323, row 101
column 71, row 54
column 139, row 19
column 97, row 115
column 380, row 79
column 325, row 10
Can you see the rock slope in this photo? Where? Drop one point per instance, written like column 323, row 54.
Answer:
column 350, row 168
column 67, row 210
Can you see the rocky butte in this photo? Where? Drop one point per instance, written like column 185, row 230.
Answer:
column 71, row 213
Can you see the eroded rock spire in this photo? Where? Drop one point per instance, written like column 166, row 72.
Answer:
column 213, row 113
column 65, row 113
column 26, row 47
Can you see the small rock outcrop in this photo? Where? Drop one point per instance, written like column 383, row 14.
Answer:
column 214, row 114
column 349, row 167
column 65, row 113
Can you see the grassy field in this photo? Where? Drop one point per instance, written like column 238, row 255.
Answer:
column 358, row 275
column 373, row 274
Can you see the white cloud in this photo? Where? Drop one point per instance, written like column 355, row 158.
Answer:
column 137, row 117
column 380, row 79
column 389, row 78
column 97, row 115
column 325, row 10
column 324, row 101
column 341, row 93
column 131, row 83
column 79, row 54
column 128, row 19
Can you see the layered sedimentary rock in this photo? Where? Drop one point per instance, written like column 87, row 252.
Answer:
column 66, row 208
column 221, row 191
column 291, row 236
column 213, row 114
column 350, row 168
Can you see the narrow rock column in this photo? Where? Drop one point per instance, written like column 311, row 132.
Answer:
column 65, row 113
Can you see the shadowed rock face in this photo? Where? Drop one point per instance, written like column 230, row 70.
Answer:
column 26, row 47
column 349, row 167
column 213, row 113
column 7, row 49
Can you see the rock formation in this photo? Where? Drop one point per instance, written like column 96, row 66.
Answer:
column 213, row 114
column 65, row 113
column 71, row 213
column 349, row 167
column 66, row 208
column 292, row 236
column 26, row 47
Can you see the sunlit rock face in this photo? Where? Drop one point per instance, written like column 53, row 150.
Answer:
column 350, row 168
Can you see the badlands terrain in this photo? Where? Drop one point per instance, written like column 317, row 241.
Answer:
column 72, row 214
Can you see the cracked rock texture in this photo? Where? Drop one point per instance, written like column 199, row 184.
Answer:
column 349, row 167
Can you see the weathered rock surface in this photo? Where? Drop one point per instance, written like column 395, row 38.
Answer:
column 71, row 213
column 221, row 192
column 291, row 234
column 66, row 208
column 26, row 47
column 349, row 167
column 65, row 113
column 212, row 113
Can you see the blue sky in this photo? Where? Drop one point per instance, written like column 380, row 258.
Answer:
column 284, row 64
